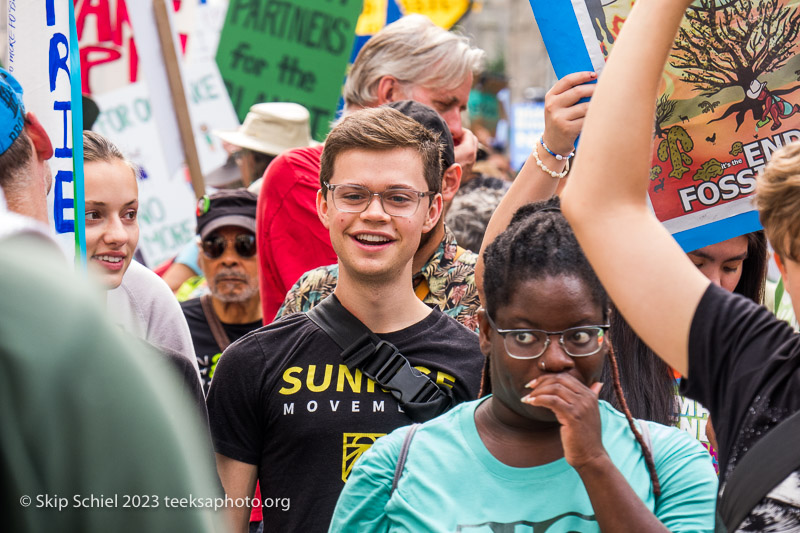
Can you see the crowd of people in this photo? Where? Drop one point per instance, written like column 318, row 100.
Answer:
column 367, row 334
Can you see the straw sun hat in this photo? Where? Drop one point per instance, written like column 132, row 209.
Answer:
column 272, row 128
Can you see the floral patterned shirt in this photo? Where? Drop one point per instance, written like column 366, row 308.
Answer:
column 451, row 284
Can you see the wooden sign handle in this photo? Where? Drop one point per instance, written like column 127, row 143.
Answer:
column 178, row 96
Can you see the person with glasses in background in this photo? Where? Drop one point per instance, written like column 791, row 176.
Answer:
column 541, row 447
column 226, row 225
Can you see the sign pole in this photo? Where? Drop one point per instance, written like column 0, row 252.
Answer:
column 178, row 96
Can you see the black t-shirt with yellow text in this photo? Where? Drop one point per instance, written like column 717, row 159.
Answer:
column 283, row 399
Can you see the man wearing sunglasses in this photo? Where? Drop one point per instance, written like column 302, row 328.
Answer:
column 287, row 406
column 226, row 223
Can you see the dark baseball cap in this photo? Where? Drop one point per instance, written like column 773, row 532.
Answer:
column 12, row 110
column 232, row 207
column 431, row 120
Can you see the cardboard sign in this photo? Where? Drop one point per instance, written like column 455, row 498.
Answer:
column 278, row 51
column 728, row 99
column 138, row 123
column 42, row 56
column 109, row 57
column 166, row 202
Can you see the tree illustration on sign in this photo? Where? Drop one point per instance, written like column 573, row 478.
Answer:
column 731, row 44
column 675, row 149
column 708, row 107
column 709, row 170
column 664, row 110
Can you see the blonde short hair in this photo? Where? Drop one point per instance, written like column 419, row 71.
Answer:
column 778, row 201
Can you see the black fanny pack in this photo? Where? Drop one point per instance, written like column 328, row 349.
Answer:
column 418, row 395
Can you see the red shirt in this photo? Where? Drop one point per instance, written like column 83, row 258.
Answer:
column 291, row 239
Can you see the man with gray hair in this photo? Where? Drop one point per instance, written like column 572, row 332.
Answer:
column 408, row 59
column 413, row 59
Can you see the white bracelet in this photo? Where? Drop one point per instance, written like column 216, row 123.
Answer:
column 541, row 165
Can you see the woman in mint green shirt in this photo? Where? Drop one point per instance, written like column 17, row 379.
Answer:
column 541, row 453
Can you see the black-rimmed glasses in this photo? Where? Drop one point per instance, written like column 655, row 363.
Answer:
column 580, row 341
column 396, row 202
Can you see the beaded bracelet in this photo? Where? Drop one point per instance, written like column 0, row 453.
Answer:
column 557, row 156
column 541, row 165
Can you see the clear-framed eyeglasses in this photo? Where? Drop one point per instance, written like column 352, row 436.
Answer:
column 581, row 341
column 396, row 202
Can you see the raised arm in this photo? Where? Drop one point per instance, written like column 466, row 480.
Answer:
column 564, row 115
column 649, row 277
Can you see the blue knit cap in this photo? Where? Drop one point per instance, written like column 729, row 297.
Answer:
column 12, row 110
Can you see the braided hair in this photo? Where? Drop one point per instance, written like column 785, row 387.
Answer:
column 539, row 243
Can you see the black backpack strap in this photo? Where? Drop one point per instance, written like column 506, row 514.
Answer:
column 418, row 395
column 401, row 459
column 214, row 323
column 771, row 460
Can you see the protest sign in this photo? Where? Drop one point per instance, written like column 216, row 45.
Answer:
column 280, row 51
column 378, row 13
column 728, row 99
column 527, row 125
column 166, row 201
column 443, row 13
column 42, row 56
column 131, row 117
column 109, row 57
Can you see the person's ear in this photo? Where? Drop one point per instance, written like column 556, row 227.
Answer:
column 784, row 275
column 322, row 209
column 483, row 334
column 39, row 137
column 390, row 90
column 434, row 213
column 779, row 264
column 451, row 181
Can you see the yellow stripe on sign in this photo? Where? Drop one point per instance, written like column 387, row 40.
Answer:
column 443, row 13
column 372, row 18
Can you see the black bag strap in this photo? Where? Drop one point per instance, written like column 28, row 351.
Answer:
column 217, row 330
column 761, row 469
column 401, row 459
column 418, row 395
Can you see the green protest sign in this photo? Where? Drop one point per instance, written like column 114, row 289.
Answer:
column 288, row 51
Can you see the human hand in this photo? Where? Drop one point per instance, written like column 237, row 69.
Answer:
column 563, row 111
column 466, row 150
column 576, row 409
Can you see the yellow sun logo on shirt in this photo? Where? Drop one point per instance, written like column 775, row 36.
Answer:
column 354, row 444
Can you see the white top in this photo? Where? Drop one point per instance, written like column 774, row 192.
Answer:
column 144, row 305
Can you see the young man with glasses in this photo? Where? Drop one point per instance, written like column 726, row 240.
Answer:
column 409, row 59
column 284, row 407
column 443, row 272
column 226, row 223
